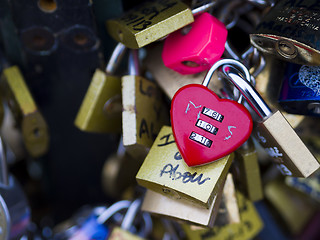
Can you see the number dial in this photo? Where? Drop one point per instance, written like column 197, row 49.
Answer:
column 207, row 128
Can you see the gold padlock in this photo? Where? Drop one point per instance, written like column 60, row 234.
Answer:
column 169, row 80
column 144, row 111
column 250, row 225
column 149, row 22
column 248, row 170
column 120, row 234
column 161, row 205
column 101, row 108
column 27, row 115
column 164, row 171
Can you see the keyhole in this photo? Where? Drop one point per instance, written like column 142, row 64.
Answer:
column 190, row 64
column 47, row 5
column 80, row 39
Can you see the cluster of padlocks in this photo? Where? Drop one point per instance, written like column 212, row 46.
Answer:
column 212, row 107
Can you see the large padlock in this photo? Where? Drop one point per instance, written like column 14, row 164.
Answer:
column 101, row 108
column 196, row 47
column 149, row 22
column 205, row 127
column 169, row 80
column 274, row 133
column 300, row 91
column 250, row 225
column 290, row 31
column 248, row 172
column 144, row 111
column 165, row 172
column 27, row 115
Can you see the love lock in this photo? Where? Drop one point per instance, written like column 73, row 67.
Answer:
column 205, row 127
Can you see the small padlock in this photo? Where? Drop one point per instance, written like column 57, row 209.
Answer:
column 169, row 80
column 196, row 47
column 274, row 133
column 144, row 111
column 101, row 108
column 126, row 231
column 295, row 208
column 250, row 225
column 290, row 30
column 300, row 91
column 248, row 172
column 206, row 127
column 149, row 22
column 14, row 208
column 27, row 115
column 173, row 178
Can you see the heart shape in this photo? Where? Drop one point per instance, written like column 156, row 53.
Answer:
column 205, row 127
column 309, row 76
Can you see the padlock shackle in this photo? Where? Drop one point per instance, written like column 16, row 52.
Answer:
column 249, row 92
column 219, row 63
column 115, row 58
column 133, row 64
column 131, row 214
column 114, row 208
column 4, row 178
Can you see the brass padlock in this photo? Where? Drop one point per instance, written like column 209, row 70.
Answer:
column 169, row 80
column 149, row 22
column 164, row 206
column 101, row 108
column 248, row 172
column 250, row 225
column 290, row 31
column 274, row 133
column 295, row 208
column 144, row 111
column 165, row 172
column 27, row 115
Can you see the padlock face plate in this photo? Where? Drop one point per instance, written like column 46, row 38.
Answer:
column 291, row 31
column 285, row 147
column 101, row 109
column 165, row 172
column 207, row 128
column 250, row 225
column 144, row 113
column 149, row 22
column 120, row 234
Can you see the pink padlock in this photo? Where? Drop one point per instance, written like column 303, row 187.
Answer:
column 196, row 47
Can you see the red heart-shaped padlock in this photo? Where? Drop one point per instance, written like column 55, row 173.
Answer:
column 205, row 127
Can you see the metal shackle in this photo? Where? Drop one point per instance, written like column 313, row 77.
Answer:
column 134, row 64
column 250, row 93
column 115, row 58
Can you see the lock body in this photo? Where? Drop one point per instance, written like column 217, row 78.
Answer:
column 196, row 47
column 300, row 92
column 101, row 109
column 120, row 234
column 27, row 115
column 285, row 147
column 149, row 22
column 165, row 172
column 248, row 171
column 250, row 225
column 290, row 31
column 143, row 115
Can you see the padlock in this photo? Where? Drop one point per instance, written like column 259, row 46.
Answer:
column 206, row 127
column 101, row 108
column 248, row 172
column 15, row 211
column 300, row 91
column 123, row 232
column 164, row 206
column 274, row 133
column 169, row 80
column 27, row 115
column 295, row 208
column 119, row 172
column 144, row 111
column 197, row 47
column 172, row 177
column 149, row 22
column 290, row 31
column 250, row 225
